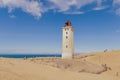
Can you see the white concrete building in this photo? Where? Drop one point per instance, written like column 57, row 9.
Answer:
column 67, row 41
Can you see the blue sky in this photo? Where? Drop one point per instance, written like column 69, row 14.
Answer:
column 35, row 26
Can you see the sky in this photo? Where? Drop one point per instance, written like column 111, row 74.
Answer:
column 35, row 26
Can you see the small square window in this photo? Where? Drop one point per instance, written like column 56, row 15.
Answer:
column 66, row 46
column 66, row 37
column 66, row 32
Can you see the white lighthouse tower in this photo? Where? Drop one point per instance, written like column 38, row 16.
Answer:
column 67, row 41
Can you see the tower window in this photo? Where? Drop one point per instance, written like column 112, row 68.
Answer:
column 66, row 32
column 66, row 37
column 66, row 46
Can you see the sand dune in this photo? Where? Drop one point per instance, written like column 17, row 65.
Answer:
column 75, row 65
column 93, row 66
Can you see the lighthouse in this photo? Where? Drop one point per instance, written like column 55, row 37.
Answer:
column 67, row 41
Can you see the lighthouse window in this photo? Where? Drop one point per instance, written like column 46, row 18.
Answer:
column 66, row 37
column 66, row 46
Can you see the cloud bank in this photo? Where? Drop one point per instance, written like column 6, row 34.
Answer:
column 38, row 7
column 29, row 6
column 116, row 4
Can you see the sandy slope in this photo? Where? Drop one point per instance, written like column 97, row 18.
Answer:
column 110, row 58
column 82, row 68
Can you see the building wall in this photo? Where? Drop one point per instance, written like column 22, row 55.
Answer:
column 68, row 43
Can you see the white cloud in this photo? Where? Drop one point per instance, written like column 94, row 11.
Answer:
column 100, row 8
column 116, row 3
column 37, row 7
column 82, row 3
column 118, row 11
column 99, row 2
column 29, row 6
column 62, row 5
column 75, row 12
column 65, row 5
column 12, row 16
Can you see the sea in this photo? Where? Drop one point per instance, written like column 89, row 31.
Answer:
column 28, row 55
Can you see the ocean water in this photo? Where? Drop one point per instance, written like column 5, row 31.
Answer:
column 28, row 55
